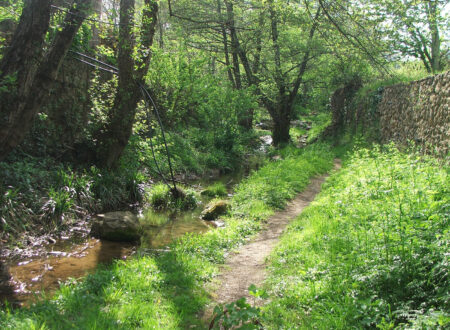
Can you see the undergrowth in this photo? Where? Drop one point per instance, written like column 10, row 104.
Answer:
column 40, row 194
column 166, row 290
column 161, row 197
column 371, row 251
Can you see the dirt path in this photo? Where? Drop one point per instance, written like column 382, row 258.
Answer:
column 247, row 266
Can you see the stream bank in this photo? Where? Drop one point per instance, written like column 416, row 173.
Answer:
column 29, row 273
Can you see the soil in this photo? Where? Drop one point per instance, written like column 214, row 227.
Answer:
column 248, row 265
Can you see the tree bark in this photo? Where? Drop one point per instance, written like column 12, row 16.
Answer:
column 435, row 41
column 281, row 111
column 225, row 46
column 245, row 119
column 33, row 72
column 234, row 44
column 115, row 137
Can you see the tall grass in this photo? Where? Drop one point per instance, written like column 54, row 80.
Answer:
column 371, row 251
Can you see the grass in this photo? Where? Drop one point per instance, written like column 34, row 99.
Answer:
column 217, row 189
column 161, row 198
column 166, row 291
column 318, row 123
column 370, row 252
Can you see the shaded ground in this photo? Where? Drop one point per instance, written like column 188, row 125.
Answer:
column 248, row 265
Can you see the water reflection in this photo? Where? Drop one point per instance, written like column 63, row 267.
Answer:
column 30, row 277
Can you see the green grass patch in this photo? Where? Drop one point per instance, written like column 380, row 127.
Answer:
column 166, row 291
column 217, row 189
column 318, row 124
column 161, row 198
column 371, row 251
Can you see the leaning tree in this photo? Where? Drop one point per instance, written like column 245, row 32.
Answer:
column 28, row 68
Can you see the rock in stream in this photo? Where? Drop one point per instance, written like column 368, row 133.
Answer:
column 116, row 226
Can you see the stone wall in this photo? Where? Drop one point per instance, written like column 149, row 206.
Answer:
column 417, row 111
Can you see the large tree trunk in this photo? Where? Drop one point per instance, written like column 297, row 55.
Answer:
column 281, row 112
column 33, row 73
column 121, row 118
column 282, row 123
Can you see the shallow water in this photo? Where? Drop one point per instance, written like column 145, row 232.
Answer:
column 76, row 258
column 30, row 277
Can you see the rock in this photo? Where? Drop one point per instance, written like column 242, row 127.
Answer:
column 266, row 139
column 296, row 123
column 215, row 209
column 4, row 273
column 116, row 226
column 265, row 125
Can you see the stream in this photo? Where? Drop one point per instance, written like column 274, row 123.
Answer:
column 75, row 258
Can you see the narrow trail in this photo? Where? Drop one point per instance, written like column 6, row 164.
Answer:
column 248, row 265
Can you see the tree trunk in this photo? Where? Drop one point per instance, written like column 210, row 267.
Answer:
column 225, row 46
column 34, row 73
column 281, row 113
column 115, row 138
column 234, row 44
column 282, row 124
column 435, row 41
column 246, row 119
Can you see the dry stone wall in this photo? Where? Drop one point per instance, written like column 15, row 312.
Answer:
column 419, row 112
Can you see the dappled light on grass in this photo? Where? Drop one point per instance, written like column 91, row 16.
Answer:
column 370, row 251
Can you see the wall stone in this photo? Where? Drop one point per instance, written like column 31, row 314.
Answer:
column 419, row 112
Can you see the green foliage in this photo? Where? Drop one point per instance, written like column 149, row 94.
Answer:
column 38, row 192
column 370, row 251
column 237, row 315
column 318, row 124
column 210, row 107
column 279, row 181
column 217, row 189
column 59, row 202
column 161, row 197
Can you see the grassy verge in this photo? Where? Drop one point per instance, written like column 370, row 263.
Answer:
column 371, row 251
column 166, row 291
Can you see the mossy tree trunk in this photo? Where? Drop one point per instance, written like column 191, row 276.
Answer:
column 27, row 73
